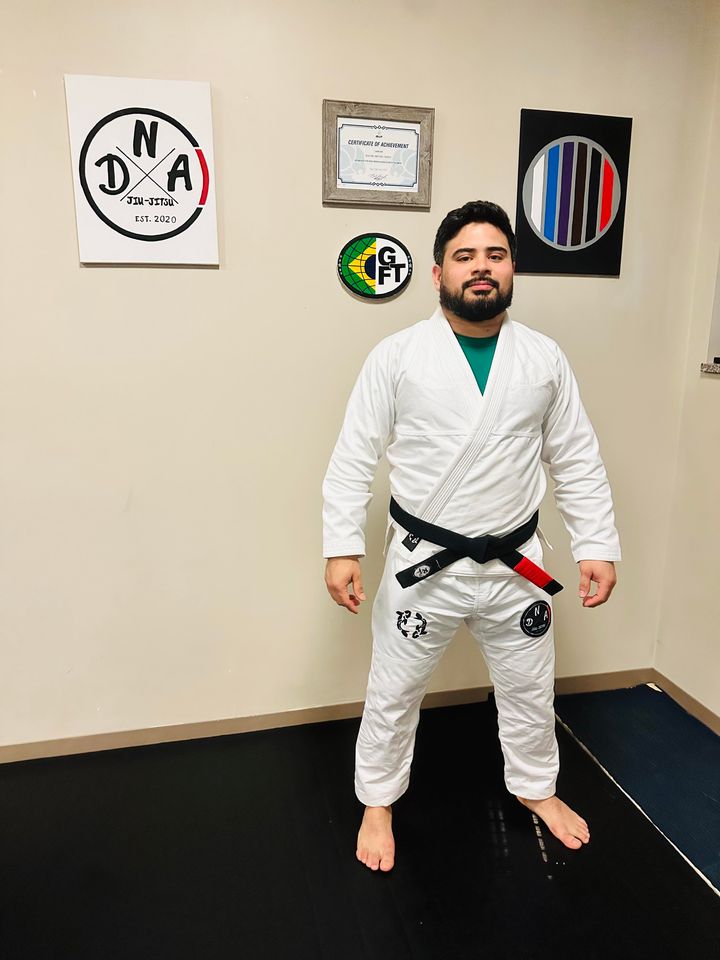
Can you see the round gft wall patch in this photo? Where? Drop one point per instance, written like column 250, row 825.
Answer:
column 144, row 174
column 571, row 193
column 375, row 265
column 536, row 620
column 411, row 624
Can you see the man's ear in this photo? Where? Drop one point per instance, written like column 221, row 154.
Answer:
column 436, row 275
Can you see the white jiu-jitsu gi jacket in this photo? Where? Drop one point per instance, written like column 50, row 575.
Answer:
column 468, row 461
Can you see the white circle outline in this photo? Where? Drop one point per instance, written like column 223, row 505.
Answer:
column 527, row 191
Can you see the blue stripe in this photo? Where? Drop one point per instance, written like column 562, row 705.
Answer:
column 553, row 162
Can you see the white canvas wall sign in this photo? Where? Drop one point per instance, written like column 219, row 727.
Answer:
column 143, row 170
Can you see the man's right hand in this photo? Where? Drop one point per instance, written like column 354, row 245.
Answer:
column 340, row 573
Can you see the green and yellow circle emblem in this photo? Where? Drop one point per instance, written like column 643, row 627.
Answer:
column 375, row 265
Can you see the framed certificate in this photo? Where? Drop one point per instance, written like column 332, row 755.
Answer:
column 377, row 155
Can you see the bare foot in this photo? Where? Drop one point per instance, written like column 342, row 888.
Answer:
column 375, row 843
column 560, row 820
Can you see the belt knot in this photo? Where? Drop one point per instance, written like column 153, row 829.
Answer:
column 477, row 548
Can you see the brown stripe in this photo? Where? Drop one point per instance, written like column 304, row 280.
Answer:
column 579, row 206
column 11, row 753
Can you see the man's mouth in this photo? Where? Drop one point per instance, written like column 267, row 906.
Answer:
column 482, row 286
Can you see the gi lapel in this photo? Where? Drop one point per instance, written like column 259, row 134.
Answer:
column 487, row 405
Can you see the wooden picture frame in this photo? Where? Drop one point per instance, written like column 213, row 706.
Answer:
column 383, row 160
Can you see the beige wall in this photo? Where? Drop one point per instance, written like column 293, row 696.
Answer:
column 164, row 431
column 688, row 648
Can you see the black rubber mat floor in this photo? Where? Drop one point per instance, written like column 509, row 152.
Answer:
column 243, row 847
column 665, row 759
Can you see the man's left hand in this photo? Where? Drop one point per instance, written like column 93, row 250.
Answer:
column 601, row 572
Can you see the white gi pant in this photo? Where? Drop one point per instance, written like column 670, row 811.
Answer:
column 511, row 619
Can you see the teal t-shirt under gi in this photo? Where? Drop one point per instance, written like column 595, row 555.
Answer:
column 479, row 352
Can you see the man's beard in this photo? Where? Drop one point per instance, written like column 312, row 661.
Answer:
column 482, row 307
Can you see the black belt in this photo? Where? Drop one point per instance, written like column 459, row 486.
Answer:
column 480, row 549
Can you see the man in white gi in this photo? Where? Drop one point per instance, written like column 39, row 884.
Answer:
column 466, row 405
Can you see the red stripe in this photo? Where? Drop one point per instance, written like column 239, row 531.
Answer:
column 206, row 176
column 607, row 194
column 526, row 568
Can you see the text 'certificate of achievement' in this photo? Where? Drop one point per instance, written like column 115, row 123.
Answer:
column 377, row 155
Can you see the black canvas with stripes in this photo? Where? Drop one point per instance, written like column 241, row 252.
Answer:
column 572, row 187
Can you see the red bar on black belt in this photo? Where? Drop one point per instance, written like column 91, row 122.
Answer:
column 535, row 574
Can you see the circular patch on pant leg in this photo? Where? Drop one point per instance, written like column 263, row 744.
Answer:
column 535, row 621
column 411, row 624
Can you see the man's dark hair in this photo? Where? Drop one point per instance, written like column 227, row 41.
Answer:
column 476, row 211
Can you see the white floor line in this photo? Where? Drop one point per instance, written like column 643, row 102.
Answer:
column 610, row 776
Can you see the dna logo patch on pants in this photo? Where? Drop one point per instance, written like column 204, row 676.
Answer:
column 536, row 620
column 375, row 265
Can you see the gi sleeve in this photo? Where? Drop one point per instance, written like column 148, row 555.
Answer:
column 581, row 488
column 365, row 433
